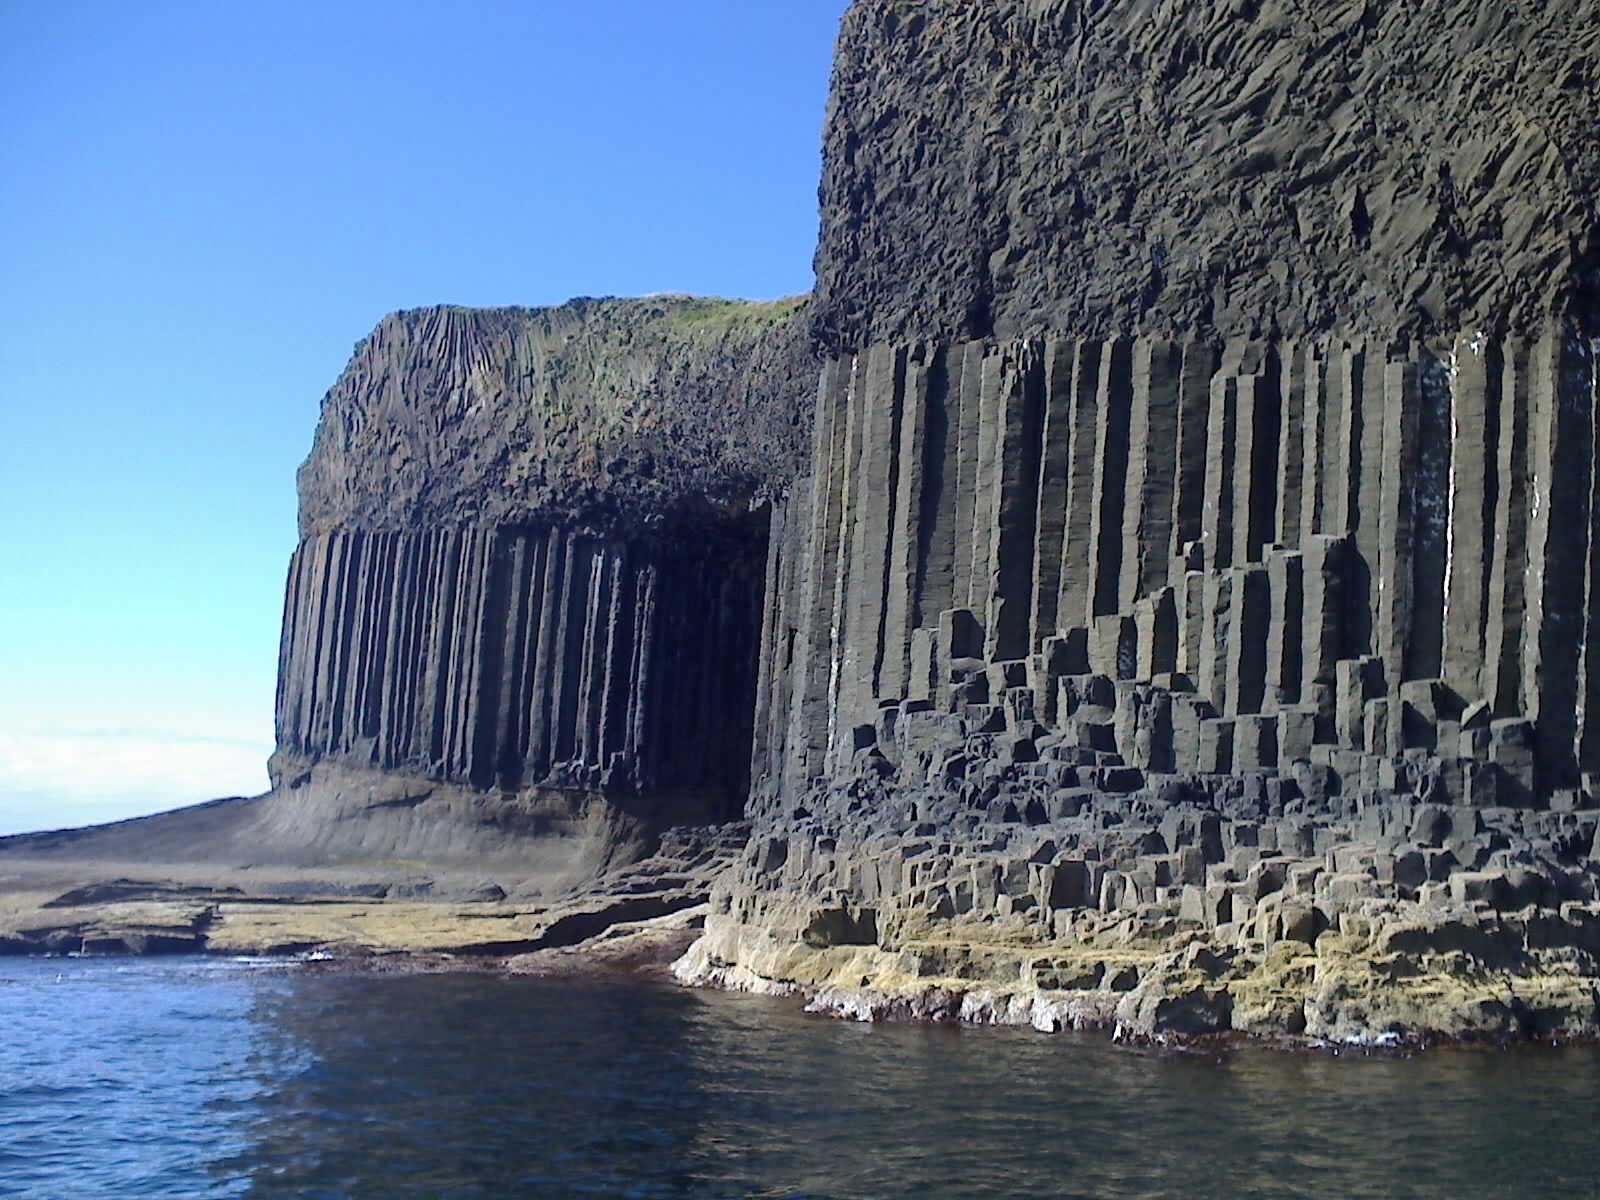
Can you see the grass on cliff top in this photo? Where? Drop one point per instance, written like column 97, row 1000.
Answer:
column 712, row 314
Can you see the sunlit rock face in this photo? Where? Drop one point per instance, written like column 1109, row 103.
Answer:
column 1106, row 168
column 1185, row 621
column 620, row 415
column 1173, row 606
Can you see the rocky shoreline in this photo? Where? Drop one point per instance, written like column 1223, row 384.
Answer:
column 1154, row 994
column 1346, row 945
column 1384, row 923
column 383, row 917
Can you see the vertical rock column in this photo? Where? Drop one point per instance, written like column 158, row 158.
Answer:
column 1589, row 698
column 1352, row 500
column 1255, row 471
column 1008, row 533
column 969, row 457
column 1189, row 457
column 1508, row 568
column 1430, row 534
column 1318, row 424
column 1322, row 572
column 807, row 739
column 1073, row 605
column 907, row 572
column 1561, row 445
column 1147, row 514
column 1395, row 516
column 1474, row 494
column 1055, row 473
column 1299, row 367
column 936, row 516
column 1369, row 395
column 1112, row 415
column 873, row 449
column 1217, row 515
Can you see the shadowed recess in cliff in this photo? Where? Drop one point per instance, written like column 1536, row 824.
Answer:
column 528, row 656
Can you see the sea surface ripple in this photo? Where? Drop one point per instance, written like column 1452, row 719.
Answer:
column 186, row 1078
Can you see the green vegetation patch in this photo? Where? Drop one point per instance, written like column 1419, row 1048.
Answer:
column 715, row 314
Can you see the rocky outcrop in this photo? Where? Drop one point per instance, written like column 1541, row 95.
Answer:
column 1114, row 167
column 618, row 415
column 1160, row 919
column 1185, row 624
column 531, row 564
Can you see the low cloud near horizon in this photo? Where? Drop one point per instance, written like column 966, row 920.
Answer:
column 63, row 780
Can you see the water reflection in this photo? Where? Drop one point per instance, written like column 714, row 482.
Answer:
column 198, row 1080
column 466, row 1087
column 471, row 1086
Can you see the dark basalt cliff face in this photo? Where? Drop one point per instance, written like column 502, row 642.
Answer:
column 1176, row 605
column 531, row 564
column 1189, row 620
column 1100, row 167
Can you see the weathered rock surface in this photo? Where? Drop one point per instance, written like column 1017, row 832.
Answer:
column 1104, row 167
column 1186, row 624
column 547, row 907
column 1156, row 917
column 617, row 415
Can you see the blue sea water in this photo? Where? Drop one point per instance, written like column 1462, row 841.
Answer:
column 207, row 1078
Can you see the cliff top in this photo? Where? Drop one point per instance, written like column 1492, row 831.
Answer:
column 616, row 412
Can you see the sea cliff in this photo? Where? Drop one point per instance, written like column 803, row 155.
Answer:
column 1153, row 582
column 1184, row 625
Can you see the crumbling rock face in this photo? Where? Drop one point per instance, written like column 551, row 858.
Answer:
column 1106, row 167
column 616, row 414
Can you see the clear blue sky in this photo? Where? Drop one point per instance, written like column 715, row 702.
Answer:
column 204, row 206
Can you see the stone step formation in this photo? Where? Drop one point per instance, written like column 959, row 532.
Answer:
column 1349, row 569
column 1124, row 648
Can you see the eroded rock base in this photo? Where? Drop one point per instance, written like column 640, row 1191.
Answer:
column 1384, row 921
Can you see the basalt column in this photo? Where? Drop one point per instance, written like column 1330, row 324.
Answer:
column 1347, row 553
column 529, row 656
